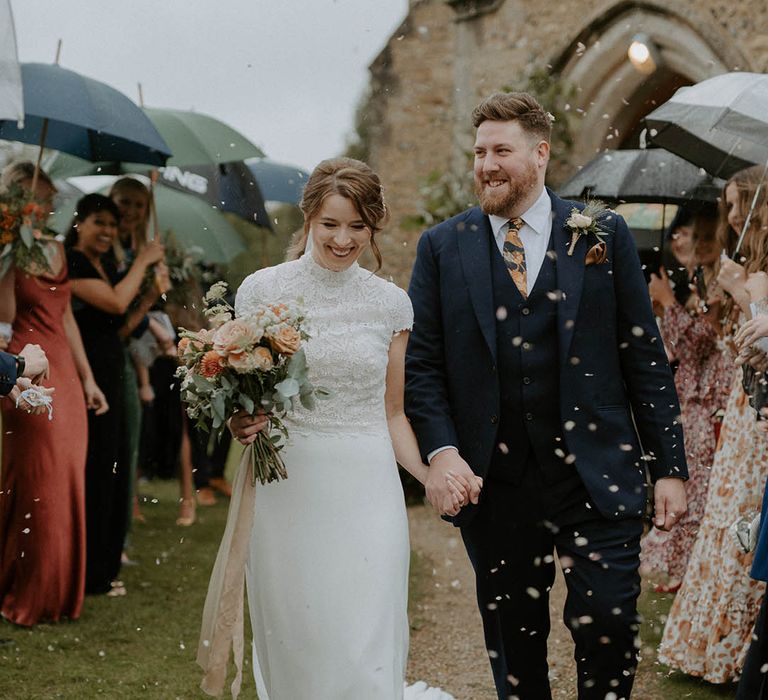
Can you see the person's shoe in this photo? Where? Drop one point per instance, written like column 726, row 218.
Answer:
column 221, row 485
column 206, row 497
column 117, row 590
column 186, row 512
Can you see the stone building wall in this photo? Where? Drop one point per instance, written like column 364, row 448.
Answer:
column 448, row 54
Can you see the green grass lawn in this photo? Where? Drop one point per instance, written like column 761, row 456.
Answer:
column 144, row 645
column 139, row 646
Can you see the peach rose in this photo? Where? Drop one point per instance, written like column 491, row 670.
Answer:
column 233, row 338
column 263, row 359
column 286, row 340
column 182, row 346
column 210, row 365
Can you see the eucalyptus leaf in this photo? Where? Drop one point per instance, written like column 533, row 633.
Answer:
column 308, row 401
column 288, row 387
column 247, row 403
column 297, row 365
column 25, row 231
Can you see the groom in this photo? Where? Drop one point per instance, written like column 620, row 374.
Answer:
column 535, row 362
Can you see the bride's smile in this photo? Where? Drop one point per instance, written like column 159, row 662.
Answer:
column 339, row 235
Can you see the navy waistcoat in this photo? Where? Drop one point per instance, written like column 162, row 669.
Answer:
column 529, row 377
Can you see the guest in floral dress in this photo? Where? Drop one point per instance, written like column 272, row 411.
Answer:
column 710, row 624
column 703, row 380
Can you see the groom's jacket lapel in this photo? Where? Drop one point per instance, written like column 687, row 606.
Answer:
column 570, row 272
column 474, row 243
column 474, row 240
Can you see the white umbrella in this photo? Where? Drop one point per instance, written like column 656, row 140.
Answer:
column 11, row 98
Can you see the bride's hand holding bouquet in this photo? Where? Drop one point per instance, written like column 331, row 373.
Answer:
column 251, row 369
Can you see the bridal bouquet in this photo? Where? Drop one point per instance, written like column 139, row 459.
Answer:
column 22, row 229
column 247, row 363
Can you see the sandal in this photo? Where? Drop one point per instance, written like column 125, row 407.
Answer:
column 117, row 590
column 221, row 485
column 187, row 514
column 205, row 496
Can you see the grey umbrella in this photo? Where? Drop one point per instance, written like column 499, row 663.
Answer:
column 720, row 124
column 642, row 175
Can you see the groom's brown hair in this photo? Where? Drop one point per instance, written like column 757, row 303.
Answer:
column 520, row 107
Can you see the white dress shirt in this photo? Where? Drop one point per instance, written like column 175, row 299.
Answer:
column 535, row 233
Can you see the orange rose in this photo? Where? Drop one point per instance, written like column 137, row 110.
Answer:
column 210, row 365
column 182, row 346
column 286, row 340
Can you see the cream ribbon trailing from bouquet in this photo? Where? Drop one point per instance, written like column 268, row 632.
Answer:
column 222, row 625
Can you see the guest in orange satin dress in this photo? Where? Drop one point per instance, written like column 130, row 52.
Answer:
column 42, row 486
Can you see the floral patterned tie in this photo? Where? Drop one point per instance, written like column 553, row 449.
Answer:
column 514, row 256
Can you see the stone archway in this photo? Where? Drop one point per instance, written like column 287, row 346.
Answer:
column 611, row 96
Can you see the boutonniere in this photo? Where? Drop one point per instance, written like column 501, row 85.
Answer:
column 584, row 222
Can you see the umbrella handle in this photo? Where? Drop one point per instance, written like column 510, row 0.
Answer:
column 745, row 227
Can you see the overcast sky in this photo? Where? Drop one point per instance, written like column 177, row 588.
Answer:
column 286, row 73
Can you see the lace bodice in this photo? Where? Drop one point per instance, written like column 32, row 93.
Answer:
column 351, row 317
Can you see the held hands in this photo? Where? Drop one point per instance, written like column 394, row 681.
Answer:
column 669, row 502
column 245, row 427
column 451, row 484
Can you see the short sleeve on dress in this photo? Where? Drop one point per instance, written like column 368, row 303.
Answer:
column 401, row 313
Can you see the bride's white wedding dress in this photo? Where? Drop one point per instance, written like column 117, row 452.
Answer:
column 327, row 573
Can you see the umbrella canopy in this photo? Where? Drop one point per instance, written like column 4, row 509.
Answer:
column 652, row 175
column 229, row 187
column 197, row 139
column 83, row 117
column 11, row 99
column 278, row 182
column 192, row 221
column 720, row 124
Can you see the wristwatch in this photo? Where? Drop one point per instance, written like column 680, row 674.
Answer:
column 21, row 365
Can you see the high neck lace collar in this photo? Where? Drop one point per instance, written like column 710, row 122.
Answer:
column 326, row 276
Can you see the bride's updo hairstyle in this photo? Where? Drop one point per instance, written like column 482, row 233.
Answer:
column 353, row 180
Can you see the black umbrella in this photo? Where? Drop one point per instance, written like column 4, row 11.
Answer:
column 720, row 124
column 642, row 175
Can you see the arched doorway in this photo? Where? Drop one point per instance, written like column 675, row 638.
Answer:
column 612, row 97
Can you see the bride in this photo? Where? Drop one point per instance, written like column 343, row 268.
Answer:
column 327, row 563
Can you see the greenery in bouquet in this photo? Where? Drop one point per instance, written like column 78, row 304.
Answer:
column 250, row 363
column 22, row 233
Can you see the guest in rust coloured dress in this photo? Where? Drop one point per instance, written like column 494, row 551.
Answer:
column 692, row 336
column 42, row 497
column 709, row 627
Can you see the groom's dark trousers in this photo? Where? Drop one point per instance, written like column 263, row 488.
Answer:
column 546, row 398
column 534, row 503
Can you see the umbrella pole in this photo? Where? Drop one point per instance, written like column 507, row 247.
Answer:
column 745, row 228
column 155, row 230
column 43, row 136
column 661, row 238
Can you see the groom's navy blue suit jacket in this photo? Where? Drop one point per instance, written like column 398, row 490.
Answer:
column 616, row 388
column 7, row 372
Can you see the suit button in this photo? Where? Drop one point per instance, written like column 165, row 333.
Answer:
column 525, row 311
column 494, row 419
column 526, row 380
column 529, row 416
column 526, row 346
column 493, row 369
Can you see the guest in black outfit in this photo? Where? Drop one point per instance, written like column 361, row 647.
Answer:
column 100, row 300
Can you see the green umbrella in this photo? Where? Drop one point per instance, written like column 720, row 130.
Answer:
column 192, row 221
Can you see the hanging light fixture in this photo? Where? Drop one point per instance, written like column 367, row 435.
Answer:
column 643, row 54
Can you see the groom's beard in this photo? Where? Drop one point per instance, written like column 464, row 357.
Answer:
column 502, row 200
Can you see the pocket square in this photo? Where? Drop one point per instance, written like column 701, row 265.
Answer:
column 596, row 255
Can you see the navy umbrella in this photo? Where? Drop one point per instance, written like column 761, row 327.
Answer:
column 278, row 182
column 69, row 112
